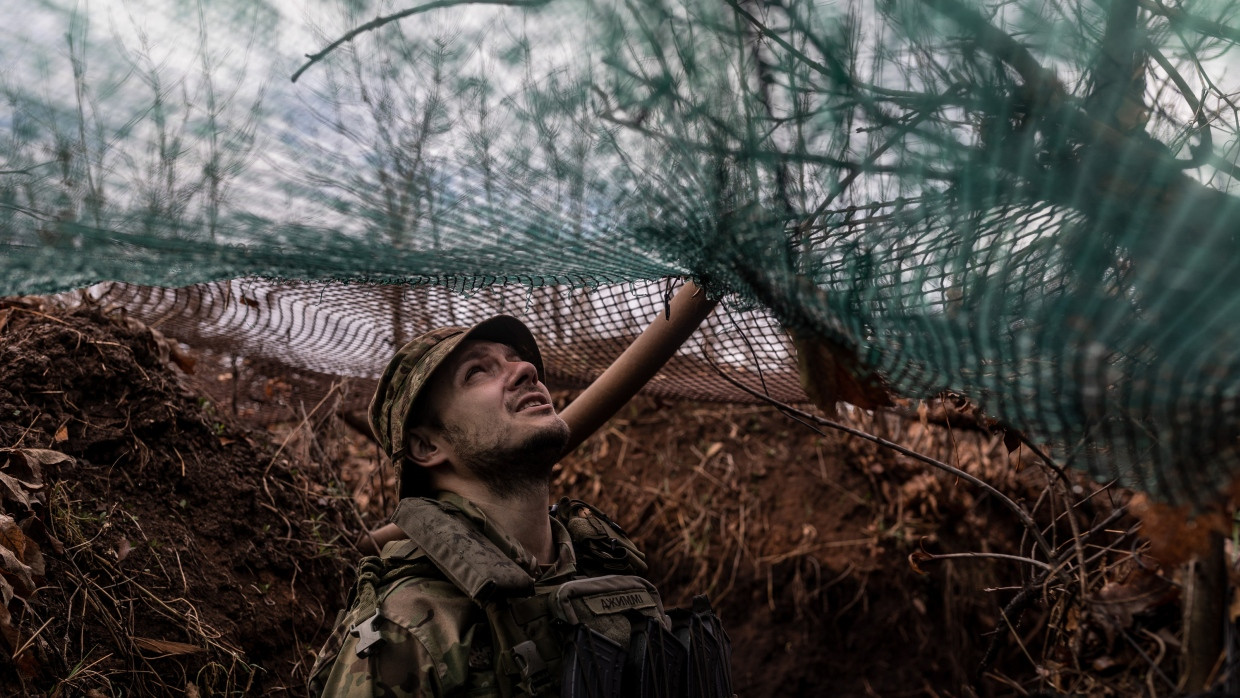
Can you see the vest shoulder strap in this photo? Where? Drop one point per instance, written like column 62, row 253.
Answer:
column 461, row 552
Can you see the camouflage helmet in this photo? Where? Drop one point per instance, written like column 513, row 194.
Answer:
column 411, row 368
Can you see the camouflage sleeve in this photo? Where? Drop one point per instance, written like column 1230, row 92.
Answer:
column 428, row 631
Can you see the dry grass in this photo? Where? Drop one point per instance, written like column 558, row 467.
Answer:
column 174, row 552
column 101, row 597
column 1052, row 565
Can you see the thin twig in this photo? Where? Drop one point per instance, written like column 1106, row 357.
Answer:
column 289, row 437
column 1157, row 669
column 27, row 170
column 26, row 645
column 923, row 556
column 1023, row 515
column 1180, row 17
column 380, row 21
column 1050, row 463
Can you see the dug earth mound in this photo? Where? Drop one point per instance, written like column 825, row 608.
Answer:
column 153, row 546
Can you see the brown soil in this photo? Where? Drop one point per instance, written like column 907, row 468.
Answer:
column 184, row 553
column 181, row 553
column 802, row 541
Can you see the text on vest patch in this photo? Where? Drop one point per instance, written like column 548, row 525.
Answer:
column 622, row 601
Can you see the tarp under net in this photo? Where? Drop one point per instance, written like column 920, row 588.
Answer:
column 297, row 338
column 1028, row 203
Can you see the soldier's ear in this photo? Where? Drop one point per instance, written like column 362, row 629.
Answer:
column 426, row 448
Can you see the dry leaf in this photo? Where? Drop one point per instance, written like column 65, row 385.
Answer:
column 1174, row 534
column 6, row 595
column 29, row 463
column 21, row 475
column 7, row 631
column 36, row 530
column 1011, row 439
column 17, row 572
column 831, row 374
column 34, row 559
column 183, row 361
column 11, row 489
column 62, row 434
column 12, row 537
column 19, row 556
column 45, row 456
column 916, row 557
column 21, row 466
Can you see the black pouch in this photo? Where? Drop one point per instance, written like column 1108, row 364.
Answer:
column 709, row 669
column 657, row 662
column 593, row 666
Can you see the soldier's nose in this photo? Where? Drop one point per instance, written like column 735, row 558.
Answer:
column 521, row 372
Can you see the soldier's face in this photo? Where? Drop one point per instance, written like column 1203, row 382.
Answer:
column 496, row 415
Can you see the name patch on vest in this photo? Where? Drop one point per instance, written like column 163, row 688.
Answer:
column 620, row 601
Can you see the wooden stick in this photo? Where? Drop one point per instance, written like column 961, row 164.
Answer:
column 614, row 387
column 637, row 365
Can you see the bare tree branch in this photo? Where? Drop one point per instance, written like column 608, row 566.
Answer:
column 409, row 12
column 1181, row 18
column 1114, row 74
column 1203, row 153
column 28, row 170
column 27, row 211
column 1002, row 46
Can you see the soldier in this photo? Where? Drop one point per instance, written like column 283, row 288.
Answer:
column 490, row 595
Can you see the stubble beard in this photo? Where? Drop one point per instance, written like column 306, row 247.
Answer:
column 511, row 471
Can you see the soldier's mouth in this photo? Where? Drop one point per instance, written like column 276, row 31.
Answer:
column 531, row 402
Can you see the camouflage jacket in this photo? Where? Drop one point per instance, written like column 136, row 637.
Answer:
column 435, row 641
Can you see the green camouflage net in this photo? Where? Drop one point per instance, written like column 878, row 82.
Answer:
column 1025, row 202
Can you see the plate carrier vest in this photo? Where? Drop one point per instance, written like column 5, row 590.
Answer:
column 602, row 634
